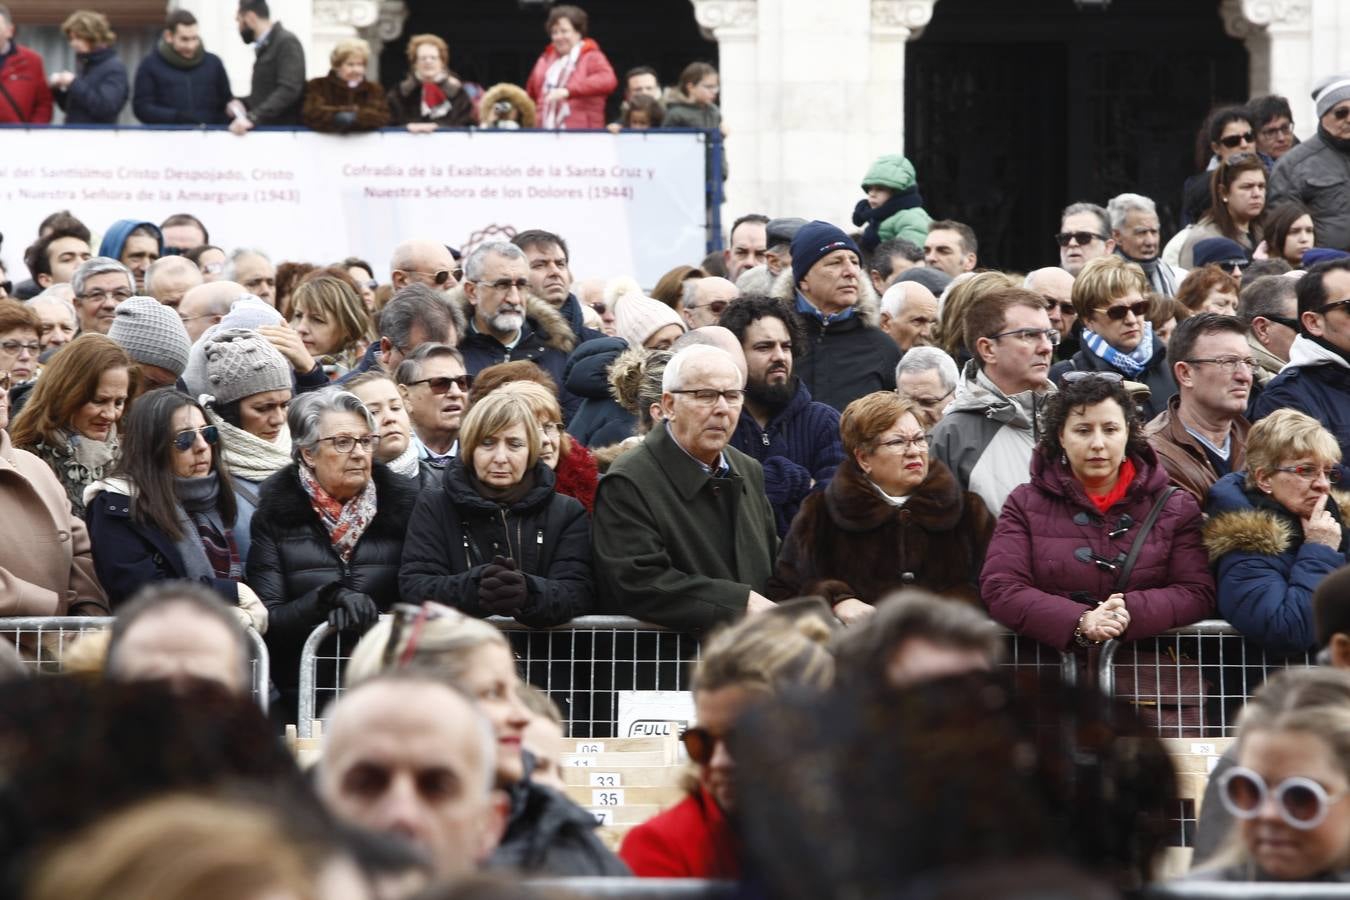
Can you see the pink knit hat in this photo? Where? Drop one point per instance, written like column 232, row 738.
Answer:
column 637, row 318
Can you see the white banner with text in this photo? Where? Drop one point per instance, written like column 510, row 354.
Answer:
column 630, row 203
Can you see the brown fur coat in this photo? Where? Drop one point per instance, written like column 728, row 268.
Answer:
column 847, row 541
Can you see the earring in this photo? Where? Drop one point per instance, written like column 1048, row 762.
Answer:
column 1063, row 458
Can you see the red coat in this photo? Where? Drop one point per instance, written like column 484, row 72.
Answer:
column 592, row 81
column 1031, row 571
column 25, row 81
column 692, row 839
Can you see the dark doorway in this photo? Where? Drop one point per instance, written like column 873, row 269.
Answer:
column 1015, row 110
column 497, row 40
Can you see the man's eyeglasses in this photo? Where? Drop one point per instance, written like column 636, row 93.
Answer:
column 1334, row 304
column 901, row 444
column 102, row 296
column 14, row 348
column 1271, row 131
column 1340, row 112
column 1065, row 307
column 345, row 443
column 1286, row 321
column 1302, row 802
column 1030, row 335
column 931, row 402
column 1113, row 377
column 442, row 383
column 504, row 284
column 1228, row 363
column 1081, row 238
column 184, row 441
column 716, row 307
column 1234, row 141
column 1118, row 312
column 440, row 276
column 707, row 397
column 1310, row 473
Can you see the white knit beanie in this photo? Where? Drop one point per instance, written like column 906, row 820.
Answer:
column 1329, row 91
column 636, row 318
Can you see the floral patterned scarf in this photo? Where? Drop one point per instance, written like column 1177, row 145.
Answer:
column 344, row 522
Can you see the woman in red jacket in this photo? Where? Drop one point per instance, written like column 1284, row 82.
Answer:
column 1053, row 564
column 572, row 77
column 742, row 664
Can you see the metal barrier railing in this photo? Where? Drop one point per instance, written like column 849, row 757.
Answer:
column 583, row 665
column 42, row 643
column 1240, row 890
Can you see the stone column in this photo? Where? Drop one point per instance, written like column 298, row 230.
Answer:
column 1285, row 57
column 811, row 94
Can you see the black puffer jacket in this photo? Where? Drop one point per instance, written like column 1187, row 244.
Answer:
column 548, row 834
column 600, row 420
column 455, row 532
column 292, row 560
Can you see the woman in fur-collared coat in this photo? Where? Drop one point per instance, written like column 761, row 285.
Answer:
column 890, row 518
column 1275, row 531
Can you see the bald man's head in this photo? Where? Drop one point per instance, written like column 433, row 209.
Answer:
column 1056, row 286
column 205, row 305
column 714, row 336
column 423, row 262
column 414, row 757
column 169, row 278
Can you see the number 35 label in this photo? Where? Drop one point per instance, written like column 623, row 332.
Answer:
column 607, row 798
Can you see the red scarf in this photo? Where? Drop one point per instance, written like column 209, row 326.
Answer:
column 432, row 95
column 1103, row 502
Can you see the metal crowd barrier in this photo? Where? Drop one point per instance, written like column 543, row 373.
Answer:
column 633, row 888
column 1243, row 890
column 583, row 665
column 42, row 643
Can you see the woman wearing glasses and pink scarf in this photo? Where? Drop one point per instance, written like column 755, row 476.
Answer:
column 1276, row 530
column 572, row 77
column 168, row 510
column 328, row 532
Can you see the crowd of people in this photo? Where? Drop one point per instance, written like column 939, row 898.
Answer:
column 181, row 83
column 847, row 463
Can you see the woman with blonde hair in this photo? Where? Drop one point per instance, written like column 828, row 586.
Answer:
column 96, row 93
column 431, row 96
column 70, row 419
column 332, row 323
column 547, row 834
column 742, row 665
column 496, row 539
column 1288, row 791
column 1276, row 530
column 343, row 100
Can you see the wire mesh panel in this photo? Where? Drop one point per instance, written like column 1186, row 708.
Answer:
column 582, row 665
column 43, row 643
column 1032, row 664
column 1191, row 682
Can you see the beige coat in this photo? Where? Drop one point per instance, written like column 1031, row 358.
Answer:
column 45, row 564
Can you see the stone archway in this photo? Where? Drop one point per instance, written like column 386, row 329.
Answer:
column 1284, row 58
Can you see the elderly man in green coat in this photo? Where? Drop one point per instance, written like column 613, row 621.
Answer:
column 683, row 533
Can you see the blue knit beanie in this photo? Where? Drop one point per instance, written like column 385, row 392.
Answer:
column 814, row 241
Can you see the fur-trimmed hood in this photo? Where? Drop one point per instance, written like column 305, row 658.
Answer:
column 868, row 307
column 1245, row 521
column 511, row 94
column 540, row 317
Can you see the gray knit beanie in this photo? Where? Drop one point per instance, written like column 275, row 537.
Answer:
column 151, row 333
column 1329, row 91
column 241, row 363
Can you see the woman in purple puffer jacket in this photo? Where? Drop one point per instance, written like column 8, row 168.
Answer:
column 1053, row 564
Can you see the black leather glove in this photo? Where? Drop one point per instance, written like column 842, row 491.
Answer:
column 351, row 610
column 501, row 588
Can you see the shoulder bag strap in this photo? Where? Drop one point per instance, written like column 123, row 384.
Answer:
column 1144, row 529
column 10, row 99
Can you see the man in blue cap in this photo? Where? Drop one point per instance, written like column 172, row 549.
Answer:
column 846, row 355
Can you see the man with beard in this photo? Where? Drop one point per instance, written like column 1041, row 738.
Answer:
column 278, row 82
column 496, row 288
column 1134, row 227
column 795, row 439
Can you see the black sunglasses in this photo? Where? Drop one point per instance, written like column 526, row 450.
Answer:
column 1237, row 140
column 441, row 384
column 1117, row 313
column 1065, row 307
column 184, row 440
column 700, row 744
column 1334, row 304
column 1285, row 321
column 1340, row 112
column 1083, row 238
